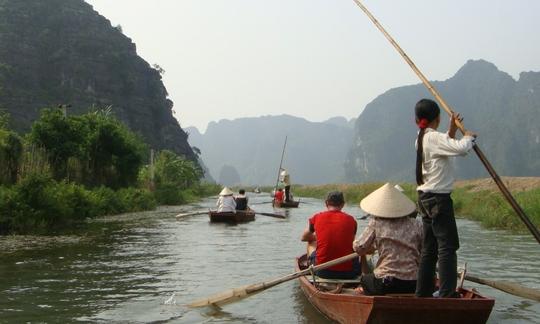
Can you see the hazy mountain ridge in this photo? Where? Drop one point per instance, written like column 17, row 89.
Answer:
column 503, row 111
column 315, row 150
column 63, row 52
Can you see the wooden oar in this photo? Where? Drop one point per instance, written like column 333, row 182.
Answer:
column 249, row 290
column 271, row 215
column 502, row 187
column 181, row 215
column 261, row 203
column 508, row 287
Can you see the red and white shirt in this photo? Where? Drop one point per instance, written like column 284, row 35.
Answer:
column 335, row 231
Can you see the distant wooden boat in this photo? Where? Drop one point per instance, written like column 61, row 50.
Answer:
column 286, row 204
column 232, row 217
column 348, row 307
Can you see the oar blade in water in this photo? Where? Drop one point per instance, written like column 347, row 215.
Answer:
column 236, row 294
column 508, row 287
column 181, row 215
column 222, row 298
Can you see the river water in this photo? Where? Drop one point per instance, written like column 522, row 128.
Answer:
column 145, row 267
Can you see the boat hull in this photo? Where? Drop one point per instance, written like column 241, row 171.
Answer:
column 286, row 204
column 350, row 308
column 231, row 217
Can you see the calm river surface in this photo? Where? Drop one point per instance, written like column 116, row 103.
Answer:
column 144, row 267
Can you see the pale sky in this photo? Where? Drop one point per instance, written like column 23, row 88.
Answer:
column 316, row 59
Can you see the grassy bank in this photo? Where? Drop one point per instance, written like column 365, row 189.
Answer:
column 40, row 205
column 485, row 206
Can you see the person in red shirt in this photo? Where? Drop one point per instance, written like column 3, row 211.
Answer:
column 330, row 235
column 278, row 197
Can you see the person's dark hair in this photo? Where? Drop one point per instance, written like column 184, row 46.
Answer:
column 426, row 111
column 280, row 189
column 335, row 198
column 241, row 191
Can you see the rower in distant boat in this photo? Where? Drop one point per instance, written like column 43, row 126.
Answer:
column 285, row 178
column 225, row 202
column 241, row 200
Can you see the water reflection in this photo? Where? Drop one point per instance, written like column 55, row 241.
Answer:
column 129, row 266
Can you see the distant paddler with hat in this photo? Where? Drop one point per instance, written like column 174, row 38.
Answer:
column 225, row 202
column 396, row 237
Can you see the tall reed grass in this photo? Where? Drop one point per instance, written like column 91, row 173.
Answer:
column 486, row 207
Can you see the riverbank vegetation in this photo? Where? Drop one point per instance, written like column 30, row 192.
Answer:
column 485, row 205
column 70, row 168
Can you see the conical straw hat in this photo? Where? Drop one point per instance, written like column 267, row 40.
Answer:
column 387, row 202
column 226, row 192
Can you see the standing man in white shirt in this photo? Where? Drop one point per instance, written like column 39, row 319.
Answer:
column 435, row 178
column 285, row 178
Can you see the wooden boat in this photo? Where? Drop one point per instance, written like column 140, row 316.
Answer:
column 232, row 217
column 348, row 307
column 286, row 204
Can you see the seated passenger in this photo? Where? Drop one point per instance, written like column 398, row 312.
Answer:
column 278, row 197
column 241, row 200
column 330, row 235
column 396, row 237
column 226, row 201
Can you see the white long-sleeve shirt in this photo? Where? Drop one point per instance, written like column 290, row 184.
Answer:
column 226, row 204
column 437, row 168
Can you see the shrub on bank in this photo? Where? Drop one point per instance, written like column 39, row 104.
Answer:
column 38, row 204
column 170, row 194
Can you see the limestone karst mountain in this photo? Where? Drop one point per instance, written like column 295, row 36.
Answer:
column 315, row 150
column 504, row 112
column 57, row 52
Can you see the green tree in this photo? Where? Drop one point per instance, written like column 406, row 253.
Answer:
column 175, row 170
column 114, row 153
column 174, row 176
column 11, row 149
column 62, row 137
column 105, row 151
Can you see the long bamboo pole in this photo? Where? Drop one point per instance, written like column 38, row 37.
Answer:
column 506, row 193
column 280, row 163
column 235, row 294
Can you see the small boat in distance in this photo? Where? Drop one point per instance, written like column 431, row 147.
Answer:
column 239, row 216
column 285, row 204
column 350, row 307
